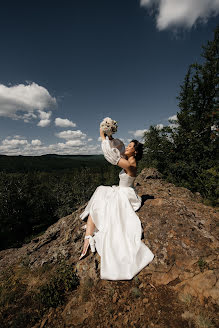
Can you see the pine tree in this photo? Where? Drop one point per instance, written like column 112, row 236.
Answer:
column 197, row 136
column 186, row 153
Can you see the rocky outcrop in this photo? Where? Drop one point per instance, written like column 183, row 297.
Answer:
column 182, row 280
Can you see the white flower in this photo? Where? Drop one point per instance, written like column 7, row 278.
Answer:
column 109, row 126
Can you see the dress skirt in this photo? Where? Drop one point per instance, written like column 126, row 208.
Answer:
column 118, row 232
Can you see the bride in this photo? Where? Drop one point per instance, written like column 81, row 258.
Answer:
column 113, row 228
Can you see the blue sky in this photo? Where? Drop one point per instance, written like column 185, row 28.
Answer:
column 65, row 66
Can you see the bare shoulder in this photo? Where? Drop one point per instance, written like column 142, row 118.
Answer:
column 132, row 169
column 132, row 161
column 129, row 165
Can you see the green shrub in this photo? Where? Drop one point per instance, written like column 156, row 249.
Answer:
column 53, row 293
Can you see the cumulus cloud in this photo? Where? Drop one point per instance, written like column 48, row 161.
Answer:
column 43, row 123
column 172, row 118
column 44, row 118
column 44, row 115
column 138, row 133
column 22, row 101
column 64, row 122
column 74, row 143
column 16, row 146
column 181, row 13
column 71, row 134
column 36, row 142
column 89, row 139
column 16, row 136
column 173, row 121
column 159, row 126
column 14, row 143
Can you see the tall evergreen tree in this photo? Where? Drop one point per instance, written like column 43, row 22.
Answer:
column 186, row 152
column 197, row 136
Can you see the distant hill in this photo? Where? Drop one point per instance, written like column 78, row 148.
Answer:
column 49, row 162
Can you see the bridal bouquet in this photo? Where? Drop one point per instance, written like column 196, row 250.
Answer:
column 109, row 126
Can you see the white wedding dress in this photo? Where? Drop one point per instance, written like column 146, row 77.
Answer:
column 118, row 231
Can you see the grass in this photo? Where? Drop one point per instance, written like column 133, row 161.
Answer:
column 26, row 295
column 202, row 321
column 186, row 298
column 137, row 281
column 202, row 264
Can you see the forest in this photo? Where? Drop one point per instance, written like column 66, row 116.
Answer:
column 186, row 151
column 35, row 191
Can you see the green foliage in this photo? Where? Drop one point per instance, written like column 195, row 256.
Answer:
column 17, row 307
column 186, row 151
column 137, row 281
column 135, row 292
column 26, row 207
column 49, row 163
column 53, row 293
column 22, row 306
column 31, row 202
column 159, row 149
column 202, row 264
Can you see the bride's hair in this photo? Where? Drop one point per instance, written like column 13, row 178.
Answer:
column 139, row 149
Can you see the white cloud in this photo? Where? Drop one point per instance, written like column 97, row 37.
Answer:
column 138, row 133
column 173, row 121
column 44, row 118
column 28, row 116
column 173, row 125
column 35, row 148
column 184, row 13
column 16, row 136
column 74, row 143
column 64, row 122
column 44, row 115
column 214, row 128
column 14, row 143
column 71, row 134
column 36, row 142
column 90, row 139
column 21, row 101
column 159, row 126
column 43, row 123
column 172, row 118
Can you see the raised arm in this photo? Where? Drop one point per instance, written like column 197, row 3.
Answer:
column 102, row 134
column 125, row 164
column 113, row 156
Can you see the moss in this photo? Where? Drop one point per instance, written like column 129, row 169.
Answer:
column 136, row 292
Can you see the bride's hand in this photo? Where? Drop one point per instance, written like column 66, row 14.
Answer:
column 102, row 135
column 101, row 132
